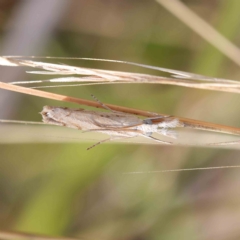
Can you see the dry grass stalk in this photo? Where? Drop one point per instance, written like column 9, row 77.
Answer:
column 112, row 76
column 179, row 78
column 202, row 28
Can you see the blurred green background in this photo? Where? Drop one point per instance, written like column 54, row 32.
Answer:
column 63, row 189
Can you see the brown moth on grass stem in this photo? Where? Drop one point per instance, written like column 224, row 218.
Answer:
column 151, row 121
column 122, row 122
column 117, row 124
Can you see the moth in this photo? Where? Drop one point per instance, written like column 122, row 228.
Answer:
column 118, row 125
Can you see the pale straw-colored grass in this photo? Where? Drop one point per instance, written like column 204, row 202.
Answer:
column 105, row 76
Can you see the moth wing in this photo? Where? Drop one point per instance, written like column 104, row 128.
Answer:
column 116, row 121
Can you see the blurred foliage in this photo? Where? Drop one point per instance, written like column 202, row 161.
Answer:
column 63, row 189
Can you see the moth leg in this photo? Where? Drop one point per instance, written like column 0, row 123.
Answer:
column 102, row 141
column 155, row 139
column 105, row 140
column 102, row 104
column 106, row 107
